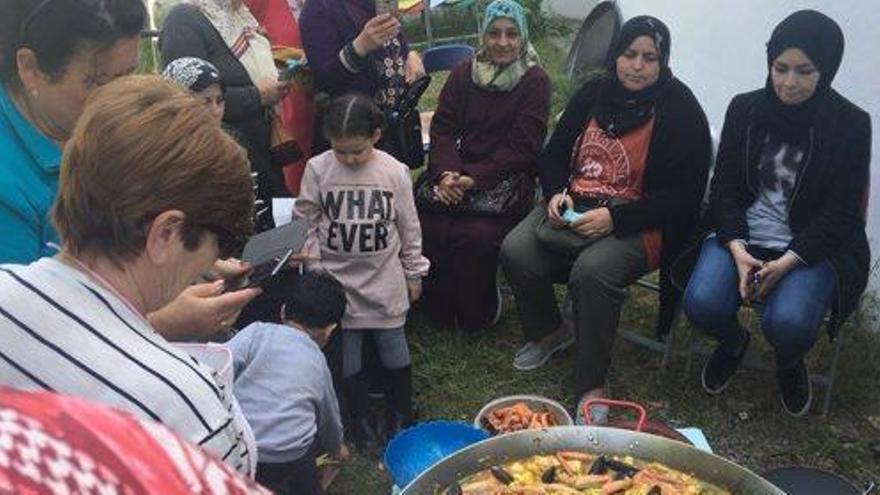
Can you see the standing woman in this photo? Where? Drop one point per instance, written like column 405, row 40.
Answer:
column 297, row 108
column 490, row 123
column 225, row 33
column 352, row 49
column 53, row 55
column 788, row 200
column 630, row 158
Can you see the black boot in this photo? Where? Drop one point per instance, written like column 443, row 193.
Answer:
column 398, row 395
column 357, row 413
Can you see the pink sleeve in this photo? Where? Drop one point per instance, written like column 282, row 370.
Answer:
column 308, row 206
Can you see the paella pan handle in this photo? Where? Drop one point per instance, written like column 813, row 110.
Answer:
column 622, row 404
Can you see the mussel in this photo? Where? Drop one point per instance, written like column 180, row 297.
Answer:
column 501, row 475
column 655, row 490
column 549, row 475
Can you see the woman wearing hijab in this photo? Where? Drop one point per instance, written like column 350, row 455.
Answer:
column 202, row 79
column 788, row 201
column 225, row 33
column 490, row 122
column 622, row 175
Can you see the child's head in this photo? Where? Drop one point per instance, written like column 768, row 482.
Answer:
column 353, row 125
column 315, row 303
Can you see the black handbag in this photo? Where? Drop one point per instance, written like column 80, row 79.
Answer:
column 403, row 127
column 499, row 200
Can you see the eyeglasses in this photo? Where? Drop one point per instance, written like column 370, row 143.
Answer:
column 228, row 242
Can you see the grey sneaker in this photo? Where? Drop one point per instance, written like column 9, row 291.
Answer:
column 533, row 355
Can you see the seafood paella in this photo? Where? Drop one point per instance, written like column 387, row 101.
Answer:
column 578, row 473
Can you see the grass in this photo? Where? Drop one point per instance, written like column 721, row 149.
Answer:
column 455, row 374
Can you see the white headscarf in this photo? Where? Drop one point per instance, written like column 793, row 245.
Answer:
column 240, row 30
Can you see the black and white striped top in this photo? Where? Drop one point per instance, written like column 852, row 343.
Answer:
column 60, row 331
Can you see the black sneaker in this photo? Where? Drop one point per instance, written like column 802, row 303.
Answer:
column 796, row 389
column 721, row 367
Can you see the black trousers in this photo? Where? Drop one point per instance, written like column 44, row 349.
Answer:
column 299, row 477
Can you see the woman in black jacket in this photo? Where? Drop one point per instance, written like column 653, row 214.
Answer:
column 623, row 176
column 225, row 33
column 788, row 201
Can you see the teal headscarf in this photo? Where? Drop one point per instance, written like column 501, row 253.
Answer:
column 489, row 76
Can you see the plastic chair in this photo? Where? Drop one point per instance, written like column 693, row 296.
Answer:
column 445, row 57
column 436, row 59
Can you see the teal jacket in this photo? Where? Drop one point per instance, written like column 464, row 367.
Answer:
column 29, row 163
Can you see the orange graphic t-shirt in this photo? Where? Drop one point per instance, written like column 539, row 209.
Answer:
column 613, row 167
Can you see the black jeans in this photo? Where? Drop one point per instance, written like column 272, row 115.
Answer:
column 299, row 477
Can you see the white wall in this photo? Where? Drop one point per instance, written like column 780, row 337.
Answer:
column 718, row 49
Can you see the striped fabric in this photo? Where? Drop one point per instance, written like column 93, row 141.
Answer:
column 64, row 333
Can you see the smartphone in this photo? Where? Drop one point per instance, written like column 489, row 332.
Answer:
column 386, row 7
column 269, row 269
column 261, row 273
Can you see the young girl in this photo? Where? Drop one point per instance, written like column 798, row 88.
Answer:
column 365, row 231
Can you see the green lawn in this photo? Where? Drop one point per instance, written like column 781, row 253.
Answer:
column 455, row 374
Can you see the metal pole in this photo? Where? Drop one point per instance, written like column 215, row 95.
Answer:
column 429, row 31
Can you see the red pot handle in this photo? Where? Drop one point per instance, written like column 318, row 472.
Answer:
column 639, row 410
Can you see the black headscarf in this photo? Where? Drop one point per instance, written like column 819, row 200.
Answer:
column 821, row 39
column 619, row 110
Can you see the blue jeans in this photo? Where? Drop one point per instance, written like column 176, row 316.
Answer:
column 792, row 312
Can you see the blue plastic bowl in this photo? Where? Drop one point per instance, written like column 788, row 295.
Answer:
column 417, row 448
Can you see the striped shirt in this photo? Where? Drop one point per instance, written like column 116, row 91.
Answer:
column 62, row 332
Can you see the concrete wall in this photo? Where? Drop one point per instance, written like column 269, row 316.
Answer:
column 718, row 49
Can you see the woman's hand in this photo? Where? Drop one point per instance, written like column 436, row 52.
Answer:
column 746, row 264
column 201, row 311
column 555, row 204
column 594, row 223
column 414, row 289
column 271, row 91
column 773, row 272
column 414, row 68
column 452, row 186
column 375, row 33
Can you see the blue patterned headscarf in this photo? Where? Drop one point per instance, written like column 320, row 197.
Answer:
column 486, row 74
column 510, row 10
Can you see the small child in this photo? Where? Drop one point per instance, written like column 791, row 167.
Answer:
column 365, row 231
column 284, row 386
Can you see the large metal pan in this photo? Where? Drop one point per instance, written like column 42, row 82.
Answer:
column 595, row 440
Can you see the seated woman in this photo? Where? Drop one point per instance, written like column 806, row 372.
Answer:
column 151, row 192
column 788, row 201
column 629, row 159
column 490, row 123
